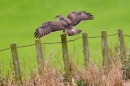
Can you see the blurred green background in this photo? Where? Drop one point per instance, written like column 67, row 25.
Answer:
column 20, row 18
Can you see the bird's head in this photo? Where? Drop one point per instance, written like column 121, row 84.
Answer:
column 58, row 16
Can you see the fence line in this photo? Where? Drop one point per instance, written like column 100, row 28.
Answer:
column 59, row 42
column 54, row 43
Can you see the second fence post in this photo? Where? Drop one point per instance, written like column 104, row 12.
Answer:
column 121, row 44
column 66, row 58
column 105, row 49
column 16, row 64
column 85, row 48
column 40, row 56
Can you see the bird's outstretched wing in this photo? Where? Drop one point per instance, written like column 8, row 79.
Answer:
column 76, row 17
column 47, row 28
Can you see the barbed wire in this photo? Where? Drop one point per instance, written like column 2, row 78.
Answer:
column 4, row 49
column 59, row 42
column 100, row 36
column 25, row 45
column 127, row 35
column 112, row 34
column 17, row 47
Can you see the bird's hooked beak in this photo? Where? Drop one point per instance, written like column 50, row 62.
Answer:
column 57, row 16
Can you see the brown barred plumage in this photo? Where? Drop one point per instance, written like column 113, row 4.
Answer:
column 66, row 24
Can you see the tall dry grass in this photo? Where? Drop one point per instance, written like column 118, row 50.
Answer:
column 92, row 75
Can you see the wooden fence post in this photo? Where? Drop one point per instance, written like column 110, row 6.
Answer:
column 105, row 49
column 16, row 64
column 66, row 58
column 0, row 76
column 121, row 44
column 40, row 56
column 85, row 48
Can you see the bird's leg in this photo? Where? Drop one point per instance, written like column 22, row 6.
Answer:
column 64, row 32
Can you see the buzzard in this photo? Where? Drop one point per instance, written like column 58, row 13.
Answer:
column 65, row 24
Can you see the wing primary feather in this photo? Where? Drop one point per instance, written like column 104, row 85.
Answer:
column 77, row 17
column 36, row 33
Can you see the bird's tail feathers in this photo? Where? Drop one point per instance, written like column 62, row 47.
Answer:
column 73, row 31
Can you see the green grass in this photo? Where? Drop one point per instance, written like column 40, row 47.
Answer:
column 19, row 19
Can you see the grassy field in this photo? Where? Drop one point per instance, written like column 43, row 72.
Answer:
column 19, row 19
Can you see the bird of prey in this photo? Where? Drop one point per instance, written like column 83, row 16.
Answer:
column 65, row 24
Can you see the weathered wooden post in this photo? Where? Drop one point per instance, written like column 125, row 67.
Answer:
column 66, row 58
column 121, row 44
column 105, row 49
column 0, row 75
column 40, row 56
column 85, row 48
column 16, row 63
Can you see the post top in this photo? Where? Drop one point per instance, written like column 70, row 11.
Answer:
column 64, row 34
column 13, row 43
